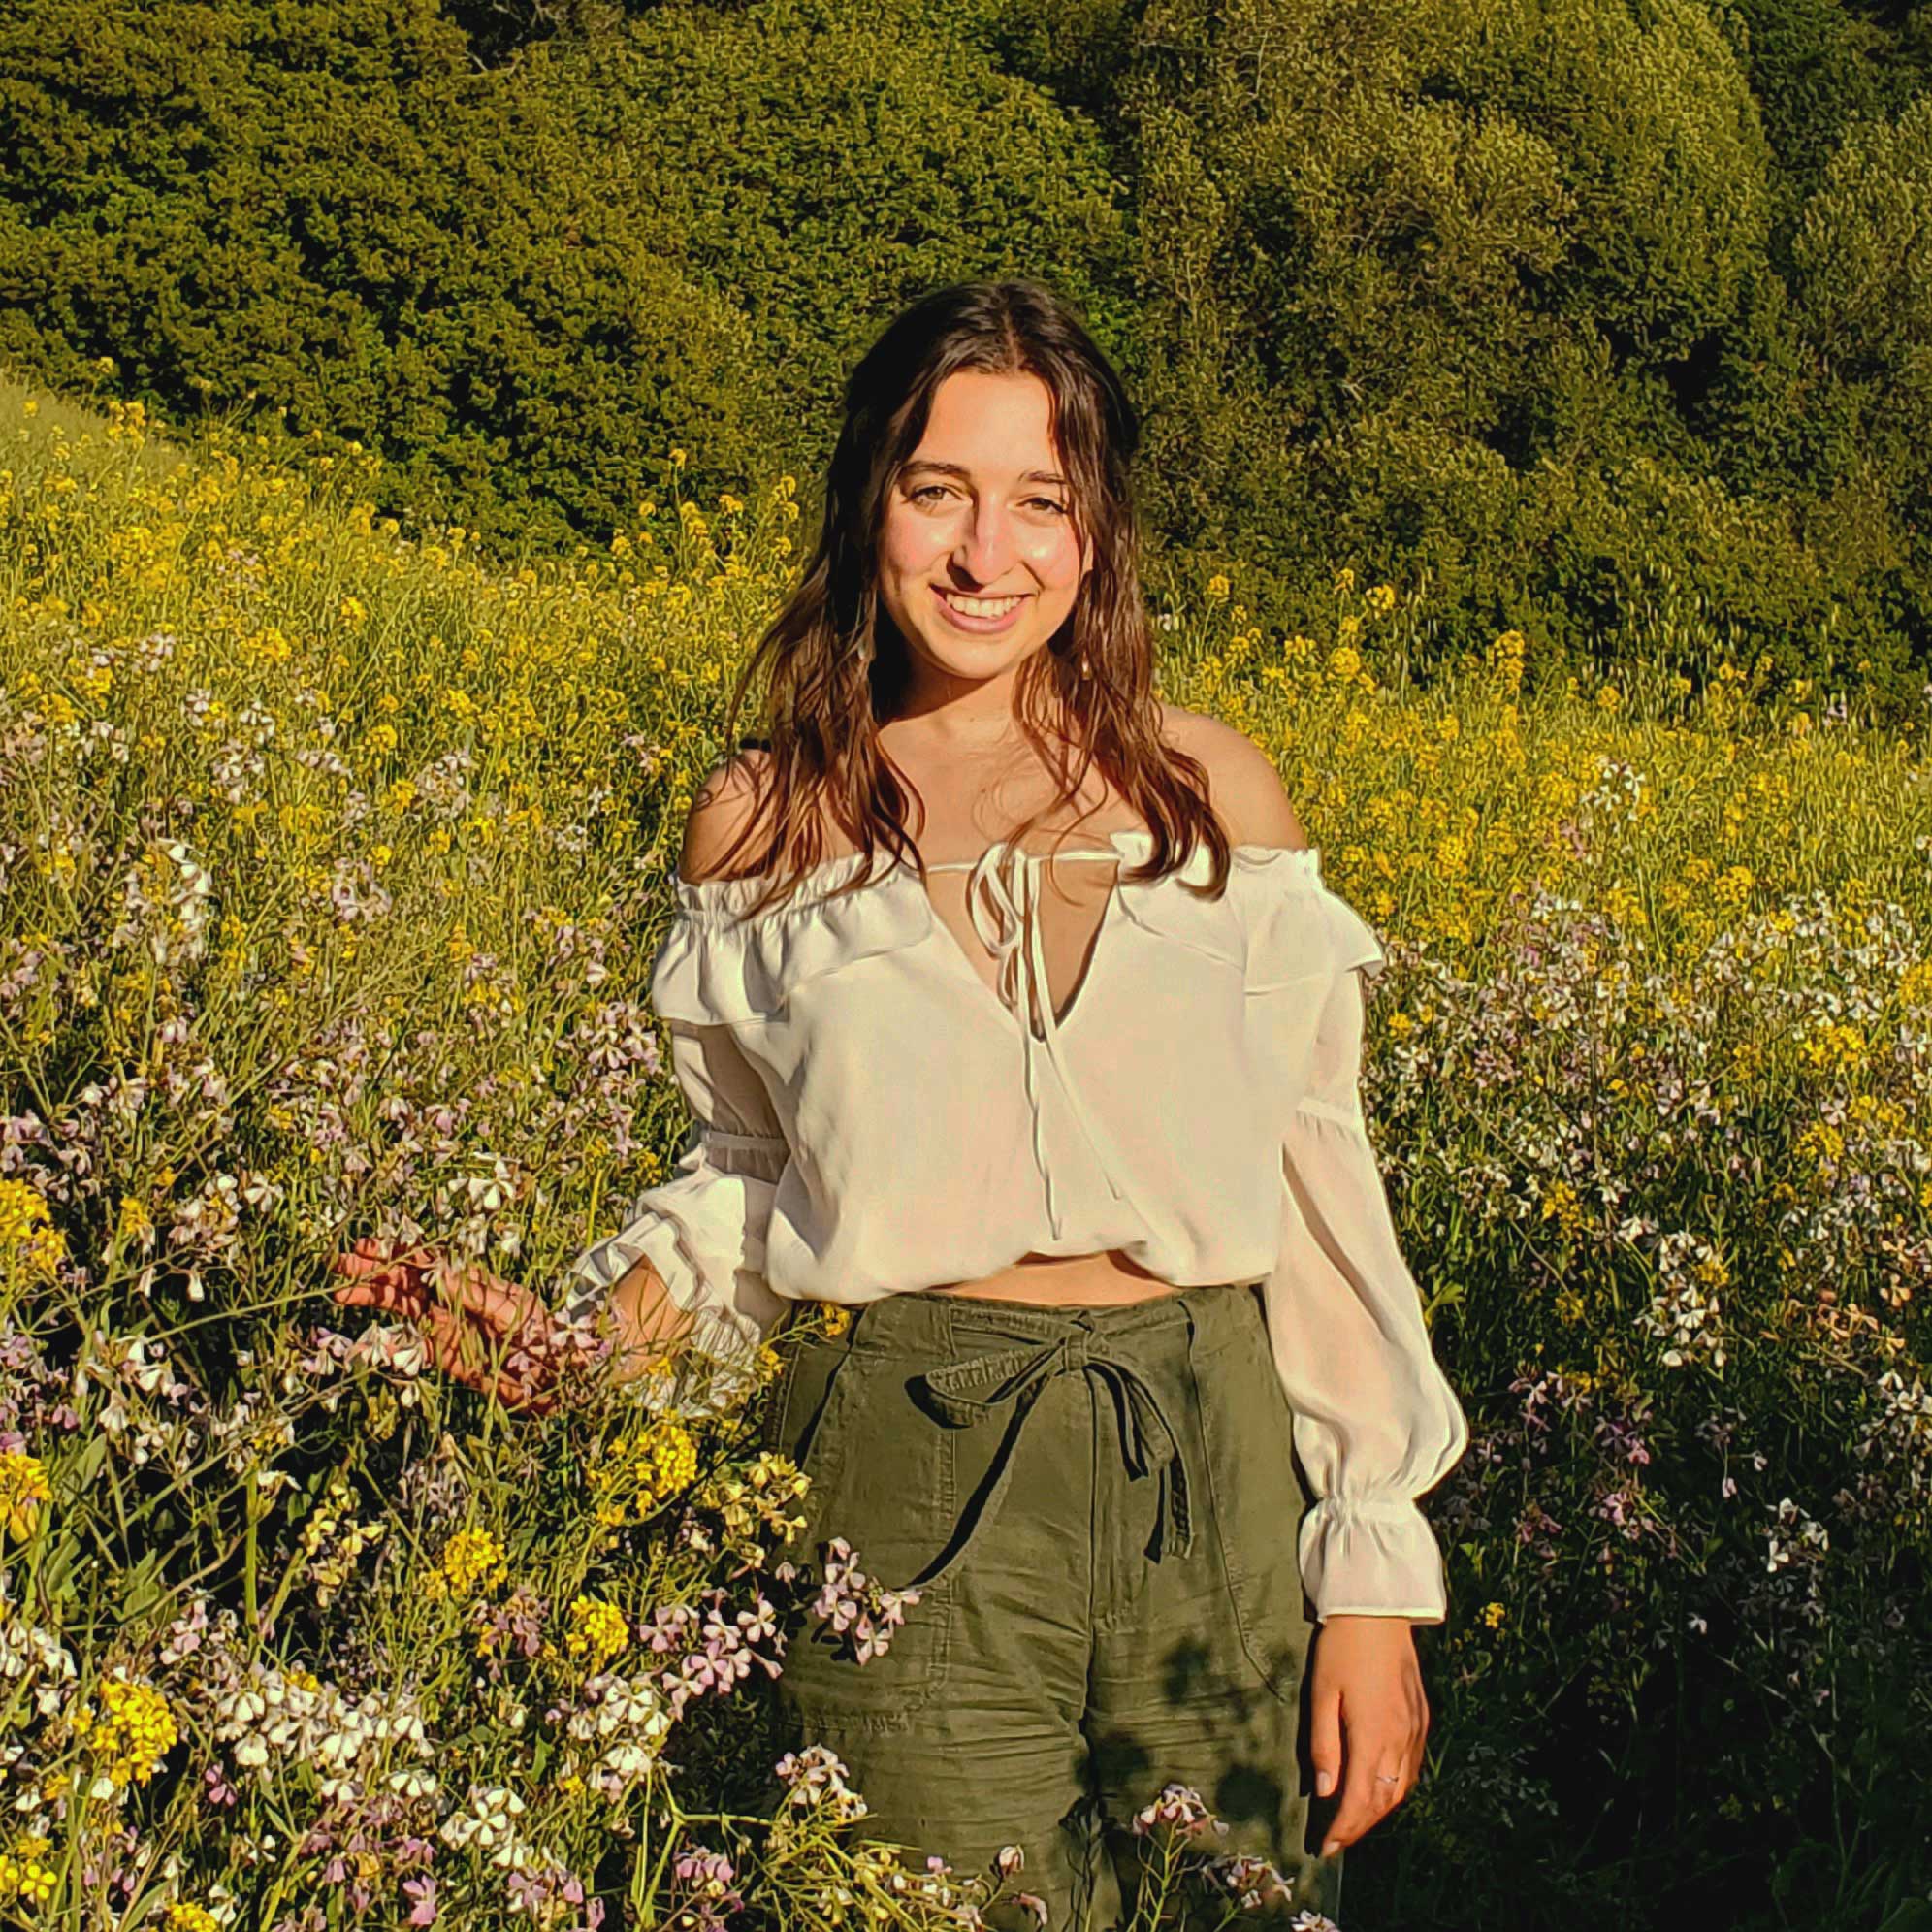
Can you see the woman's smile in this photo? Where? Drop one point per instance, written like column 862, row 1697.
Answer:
column 980, row 614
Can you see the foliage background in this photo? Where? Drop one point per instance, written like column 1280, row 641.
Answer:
column 1600, row 317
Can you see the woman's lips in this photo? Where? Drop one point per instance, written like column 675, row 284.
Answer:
column 983, row 626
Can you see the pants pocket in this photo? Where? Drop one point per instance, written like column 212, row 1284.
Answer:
column 1258, row 1505
column 881, row 1476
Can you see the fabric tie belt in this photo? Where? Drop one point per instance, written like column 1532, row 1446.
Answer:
column 968, row 1393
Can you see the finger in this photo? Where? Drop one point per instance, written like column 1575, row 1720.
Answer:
column 394, row 1292
column 384, row 1251
column 1392, row 1777
column 451, row 1347
column 524, row 1353
column 527, row 1401
column 1325, row 1741
column 525, row 1392
column 1362, row 1802
column 469, row 1286
column 363, row 1258
column 1418, row 1754
column 369, row 1262
column 369, row 1280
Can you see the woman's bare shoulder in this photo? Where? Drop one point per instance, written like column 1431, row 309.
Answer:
column 726, row 805
column 1243, row 787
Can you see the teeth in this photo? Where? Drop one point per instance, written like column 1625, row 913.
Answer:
column 980, row 606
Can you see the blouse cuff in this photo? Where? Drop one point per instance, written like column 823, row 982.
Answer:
column 1371, row 1557
column 703, row 1234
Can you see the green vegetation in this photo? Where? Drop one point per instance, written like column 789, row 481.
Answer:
column 1605, row 320
column 333, row 864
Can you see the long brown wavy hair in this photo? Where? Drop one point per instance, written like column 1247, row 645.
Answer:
column 1091, row 689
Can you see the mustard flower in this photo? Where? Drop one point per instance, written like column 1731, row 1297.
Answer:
column 27, row 1235
column 473, row 1562
column 22, row 1874
column 128, row 1729
column 597, row 1630
column 23, row 1488
column 631, row 1480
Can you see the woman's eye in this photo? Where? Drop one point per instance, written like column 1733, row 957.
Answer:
column 926, row 491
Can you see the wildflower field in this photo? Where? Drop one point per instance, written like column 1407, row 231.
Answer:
column 333, row 868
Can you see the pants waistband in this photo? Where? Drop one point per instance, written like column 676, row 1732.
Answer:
column 988, row 1363
column 940, row 1322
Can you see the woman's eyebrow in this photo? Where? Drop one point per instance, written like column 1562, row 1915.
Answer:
column 959, row 469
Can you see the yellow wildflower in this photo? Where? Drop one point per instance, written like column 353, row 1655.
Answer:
column 22, row 1874
column 473, row 1562
column 597, row 1630
column 1831, row 1046
column 631, row 1480
column 128, row 1729
column 23, row 1488
column 1562, row 1204
column 28, row 1236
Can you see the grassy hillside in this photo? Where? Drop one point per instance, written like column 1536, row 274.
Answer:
column 332, row 866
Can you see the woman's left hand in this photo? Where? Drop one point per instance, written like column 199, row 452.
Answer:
column 1369, row 1722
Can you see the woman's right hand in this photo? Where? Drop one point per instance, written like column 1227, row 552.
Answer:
column 483, row 1330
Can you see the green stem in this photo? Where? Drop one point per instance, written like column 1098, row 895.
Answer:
column 251, row 1553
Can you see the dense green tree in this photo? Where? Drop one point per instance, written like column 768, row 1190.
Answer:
column 821, row 161
column 1484, row 288
column 327, row 206
column 522, row 285
column 1814, row 66
column 1572, row 308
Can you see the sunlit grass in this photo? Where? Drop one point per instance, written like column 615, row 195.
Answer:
column 333, row 866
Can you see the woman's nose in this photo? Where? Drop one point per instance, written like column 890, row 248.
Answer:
column 986, row 546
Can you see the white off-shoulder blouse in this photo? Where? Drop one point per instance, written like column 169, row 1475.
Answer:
column 874, row 1118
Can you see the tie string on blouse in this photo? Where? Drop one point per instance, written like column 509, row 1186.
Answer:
column 1003, row 901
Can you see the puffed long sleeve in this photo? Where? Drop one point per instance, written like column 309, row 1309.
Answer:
column 1375, row 1422
column 705, row 1230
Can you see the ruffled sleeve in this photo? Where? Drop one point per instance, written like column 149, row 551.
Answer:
column 723, row 961
column 703, row 1230
column 1375, row 1422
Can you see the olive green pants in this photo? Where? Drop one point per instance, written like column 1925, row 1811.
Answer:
column 1099, row 1508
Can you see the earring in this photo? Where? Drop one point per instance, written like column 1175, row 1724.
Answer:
column 1086, row 669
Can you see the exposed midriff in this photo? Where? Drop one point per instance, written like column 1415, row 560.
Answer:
column 1065, row 1281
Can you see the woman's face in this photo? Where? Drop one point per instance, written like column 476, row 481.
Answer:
column 979, row 560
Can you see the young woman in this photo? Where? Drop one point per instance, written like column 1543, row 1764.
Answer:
column 1018, row 1022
